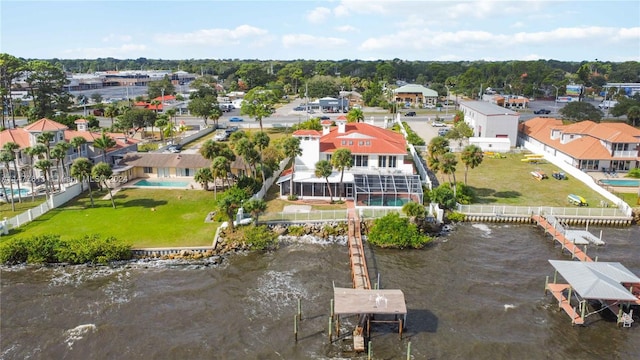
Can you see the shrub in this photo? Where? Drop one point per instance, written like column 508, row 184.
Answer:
column 147, row 147
column 392, row 231
column 252, row 185
column 260, row 238
column 455, row 216
column 634, row 173
column 295, row 230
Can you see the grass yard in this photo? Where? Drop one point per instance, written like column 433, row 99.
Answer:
column 509, row 181
column 26, row 204
column 143, row 217
column 275, row 204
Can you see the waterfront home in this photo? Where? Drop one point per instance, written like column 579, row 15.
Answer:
column 586, row 145
column 490, row 121
column 382, row 173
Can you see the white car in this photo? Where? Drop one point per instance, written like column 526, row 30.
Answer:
column 438, row 124
column 429, row 106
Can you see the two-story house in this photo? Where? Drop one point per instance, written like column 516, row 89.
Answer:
column 490, row 121
column 587, row 145
column 27, row 137
column 382, row 173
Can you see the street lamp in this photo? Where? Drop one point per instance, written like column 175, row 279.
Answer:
column 447, row 103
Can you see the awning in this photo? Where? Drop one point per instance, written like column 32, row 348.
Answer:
column 597, row 280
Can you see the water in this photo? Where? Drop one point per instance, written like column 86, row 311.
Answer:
column 621, row 182
column 158, row 183
column 474, row 294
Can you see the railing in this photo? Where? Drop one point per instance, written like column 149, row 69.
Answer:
column 540, row 210
column 374, row 213
column 626, row 154
column 320, row 215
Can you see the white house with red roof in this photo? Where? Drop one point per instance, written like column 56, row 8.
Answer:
column 586, row 145
column 27, row 137
column 382, row 173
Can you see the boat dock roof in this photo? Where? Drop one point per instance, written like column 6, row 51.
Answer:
column 364, row 301
column 597, row 280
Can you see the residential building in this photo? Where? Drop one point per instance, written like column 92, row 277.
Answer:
column 491, row 121
column 382, row 173
column 27, row 137
column 415, row 95
column 586, row 145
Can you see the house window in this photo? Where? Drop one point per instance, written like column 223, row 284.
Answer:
column 329, row 157
column 387, row 161
column 368, row 143
column 147, row 170
column 361, row 143
column 350, row 142
column 344, row 142
column 361, row 160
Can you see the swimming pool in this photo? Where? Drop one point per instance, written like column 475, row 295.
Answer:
column 160, row 183
column 621, row 182
column 23, row 191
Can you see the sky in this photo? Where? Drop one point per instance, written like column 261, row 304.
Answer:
column 426, row 30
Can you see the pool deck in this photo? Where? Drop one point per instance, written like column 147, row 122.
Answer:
column 131, row 184
column 599, row 175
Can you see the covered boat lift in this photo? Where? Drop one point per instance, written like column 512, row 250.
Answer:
column 608, row 282
column 367, row 304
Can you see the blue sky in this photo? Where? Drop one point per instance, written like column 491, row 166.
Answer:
column 323, row 30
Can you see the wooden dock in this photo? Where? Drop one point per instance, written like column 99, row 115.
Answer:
column 357, row 259
column 557, row 290
column 576, row 252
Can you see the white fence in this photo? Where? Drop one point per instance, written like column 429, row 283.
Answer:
column 53, row 202
column 541, row 210
column 417, row 158
column 310, row 216
column 267, row 184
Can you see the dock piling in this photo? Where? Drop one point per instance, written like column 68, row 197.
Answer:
column 546, row 282
column 330, row 328
column 369, row 351
column 300, row 309
column 409, row 351
column 295, row 328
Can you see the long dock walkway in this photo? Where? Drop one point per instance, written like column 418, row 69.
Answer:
column 558, row 236
column 358, row 261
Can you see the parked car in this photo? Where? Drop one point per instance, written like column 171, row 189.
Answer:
column 236, row 119
column 410, row 113
column 429, row 106
column 542, row 111
column 443, row 132
column 324, row 117
column 231, row 129
column 98, row 112
column 438, row 124
column 298, row 108
column 221, row 136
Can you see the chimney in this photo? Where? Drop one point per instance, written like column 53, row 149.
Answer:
column 82, row 124
column 341, row 126
column 326, row 127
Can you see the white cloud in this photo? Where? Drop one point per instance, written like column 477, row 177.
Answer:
column 318, row 15
column 346, row 28
column 117, row 38
column 517, row 24
column 305, row 40
column 212, row 36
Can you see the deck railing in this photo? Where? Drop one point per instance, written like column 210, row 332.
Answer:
column 311, row 216
column 541, row 210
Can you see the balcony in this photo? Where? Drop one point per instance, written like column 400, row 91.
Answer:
column 626, row 154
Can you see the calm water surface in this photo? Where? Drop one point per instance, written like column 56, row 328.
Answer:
column 474, row 294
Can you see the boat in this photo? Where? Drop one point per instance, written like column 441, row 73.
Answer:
column 533, row 156
column 539, row 175
column 577, row 200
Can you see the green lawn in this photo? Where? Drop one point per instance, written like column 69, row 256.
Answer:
column 143, row 217
column 26, row 204
column 509, row 181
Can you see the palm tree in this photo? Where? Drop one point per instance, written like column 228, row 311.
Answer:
column 471, row 156
column 437, row 147
column 261, row 139
column 203, row 176
column 13, row 148
column 112, row 111
column 448, row 166
column 6, row 157
column 324, row 170
column 291, row 149
column 161, row 123
column 341, row 160
column 355, row 115
column 44, row 165
column 244, row 147
column 81, row 169
column 102, row 172
column 104, row 142
column 77, row 143
column 29, row 151
column 219, row 170
column 45, row 139
column 255, row 207
column 59, row 152
column 633, row 115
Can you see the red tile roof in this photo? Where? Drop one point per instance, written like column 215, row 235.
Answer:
column 588, row 145
column 44, row 125
column 356, row 136
column 18, row 136
column 307, row 133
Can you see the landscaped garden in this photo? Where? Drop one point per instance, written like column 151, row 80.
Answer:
column 142, row 217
